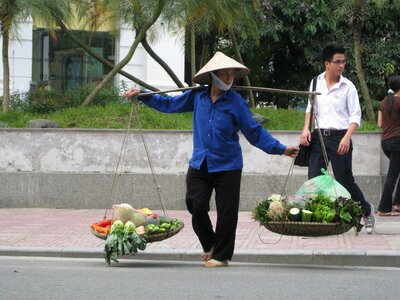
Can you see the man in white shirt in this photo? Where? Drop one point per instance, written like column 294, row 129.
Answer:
column 338, row 114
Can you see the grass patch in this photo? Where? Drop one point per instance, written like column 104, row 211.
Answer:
column 115, row 115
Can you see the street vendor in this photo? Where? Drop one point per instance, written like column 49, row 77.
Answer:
column 219, row 113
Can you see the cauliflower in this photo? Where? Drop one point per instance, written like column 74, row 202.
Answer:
column 276, row 210
column 275, row 197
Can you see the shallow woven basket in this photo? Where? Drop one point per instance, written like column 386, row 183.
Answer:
column 156, row 237
column 98, row 234
column 306, row 228
column 149, row 239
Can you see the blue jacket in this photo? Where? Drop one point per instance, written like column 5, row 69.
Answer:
column 216, row 126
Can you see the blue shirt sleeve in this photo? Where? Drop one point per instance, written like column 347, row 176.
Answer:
column 257, row 135
column 170, row 104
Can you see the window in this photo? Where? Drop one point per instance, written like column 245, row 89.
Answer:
column 59, row 63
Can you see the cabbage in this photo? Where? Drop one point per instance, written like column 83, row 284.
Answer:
column 117, row 227
column 138, row 218
column 125, row 212
column 129, row 227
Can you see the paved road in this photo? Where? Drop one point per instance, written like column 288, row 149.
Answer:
column 56, row 278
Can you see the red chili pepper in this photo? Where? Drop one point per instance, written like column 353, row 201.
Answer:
column 104, row 223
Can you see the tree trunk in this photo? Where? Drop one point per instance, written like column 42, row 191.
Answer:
column 6, row 70
column 128, row 57
column 239, row 56
column 361, row 78
column 100, row 58
column 204, row 52
column 192, row 52
column 161, row 62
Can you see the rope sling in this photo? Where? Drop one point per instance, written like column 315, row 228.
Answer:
column 281, row 228
column 310, row 229
column 121, row 159
column 118, row 173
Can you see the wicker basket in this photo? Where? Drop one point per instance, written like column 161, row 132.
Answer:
column 306, row 228
column 149, row 239
column 98, row 234
column 156, row 237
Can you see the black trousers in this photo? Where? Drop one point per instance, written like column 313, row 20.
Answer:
column 200, row 184
column 341, row 165
column 391, row 148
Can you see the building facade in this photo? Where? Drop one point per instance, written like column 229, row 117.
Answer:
column 40, row 58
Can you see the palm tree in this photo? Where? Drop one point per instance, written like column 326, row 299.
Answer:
column 205, row 20
column 140, row 15
column 356, row 14
column 94, row 13
column 10, row 13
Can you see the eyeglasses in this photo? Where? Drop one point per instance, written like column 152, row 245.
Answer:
column 339, row 62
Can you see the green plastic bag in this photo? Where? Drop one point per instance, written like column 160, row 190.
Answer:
column 323, row 184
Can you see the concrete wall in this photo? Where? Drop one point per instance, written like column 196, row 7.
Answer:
column 69, row 168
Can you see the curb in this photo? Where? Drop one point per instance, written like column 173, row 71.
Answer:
column 359, row 258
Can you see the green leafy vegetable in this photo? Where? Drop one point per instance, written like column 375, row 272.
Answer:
column 122, row 240
column 260, row 211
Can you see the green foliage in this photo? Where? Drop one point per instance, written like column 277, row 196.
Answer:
column 293, row 33
column 47, row 101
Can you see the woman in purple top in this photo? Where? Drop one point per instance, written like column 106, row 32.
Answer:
column 389, row 121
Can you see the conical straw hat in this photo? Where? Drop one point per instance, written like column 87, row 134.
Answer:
column 217, row 62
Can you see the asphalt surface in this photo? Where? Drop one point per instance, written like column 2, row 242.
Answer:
column 66, row 233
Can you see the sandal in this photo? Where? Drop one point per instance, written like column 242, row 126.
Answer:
column 206, row 256
column 396, row 207
column 213, row 263
column 388, row 214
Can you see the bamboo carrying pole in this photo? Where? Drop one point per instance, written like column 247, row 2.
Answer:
column 253, row 88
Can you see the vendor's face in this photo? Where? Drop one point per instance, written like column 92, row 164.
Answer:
column 226, row 75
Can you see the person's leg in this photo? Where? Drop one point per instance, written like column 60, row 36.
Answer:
column 227, row 194
column 394, row 147
column 386, row 202
column 316, row 161
column 198, row 193
column 396, row 162
column 342, row 169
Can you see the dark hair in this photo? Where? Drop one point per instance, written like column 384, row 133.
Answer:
column 394, row 87
column 331, row 49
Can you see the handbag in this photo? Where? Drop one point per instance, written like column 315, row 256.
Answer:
column 303, row 156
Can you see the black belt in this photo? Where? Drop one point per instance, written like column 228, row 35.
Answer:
column 333, row 132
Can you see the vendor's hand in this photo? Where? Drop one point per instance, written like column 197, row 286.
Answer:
column 131, row 93
column 291, row 151
column 305, row 138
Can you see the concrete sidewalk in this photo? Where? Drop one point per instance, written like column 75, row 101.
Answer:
column 66, row 233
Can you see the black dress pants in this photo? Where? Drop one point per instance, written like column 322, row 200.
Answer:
column 341, row 165
column 200, row 184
